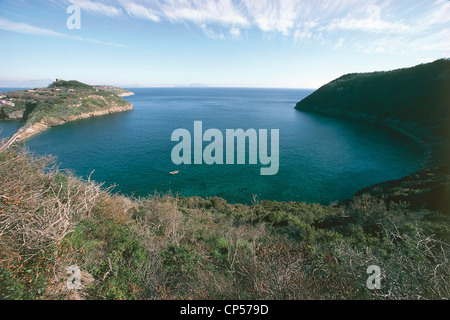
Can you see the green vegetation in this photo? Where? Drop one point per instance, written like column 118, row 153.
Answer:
column 416, row 100
column 71, row 84
column 168, row 247
column 427, row 188
column 61, row 100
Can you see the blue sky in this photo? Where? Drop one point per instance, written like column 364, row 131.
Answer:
column 238, row 43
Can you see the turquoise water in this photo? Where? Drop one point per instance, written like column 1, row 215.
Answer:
column 7, row 128
column 321, row 159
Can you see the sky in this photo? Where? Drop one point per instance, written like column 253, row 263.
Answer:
column 221, row 43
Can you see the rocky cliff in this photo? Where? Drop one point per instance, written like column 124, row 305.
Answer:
column 48, row 122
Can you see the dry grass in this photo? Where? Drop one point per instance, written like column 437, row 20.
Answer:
column 40, row 209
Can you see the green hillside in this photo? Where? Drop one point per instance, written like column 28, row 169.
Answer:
column 73, row 84
column 415, row 100
column 62, row 99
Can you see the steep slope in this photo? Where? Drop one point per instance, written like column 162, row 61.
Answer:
column 414, row 100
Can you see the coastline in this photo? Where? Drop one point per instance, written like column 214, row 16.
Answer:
column 430, row 144
column 126, row 94
column 425, row 188
column 27, row 131
column 46, row 123
column 61, row 102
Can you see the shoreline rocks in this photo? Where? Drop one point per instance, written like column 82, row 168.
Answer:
column 46, row 123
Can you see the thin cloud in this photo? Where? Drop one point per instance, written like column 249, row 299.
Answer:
column 339, row 44
column 370, row 25
column 273, row 15
column 140, row 11
column 224, row 12
column 97, row 8
column 439, row 14
column 103, row 43
column 366, row 26
column 211, row 34
column 25, row 28
column 235, row 33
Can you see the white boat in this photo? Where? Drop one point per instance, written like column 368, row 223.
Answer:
column 174, row 172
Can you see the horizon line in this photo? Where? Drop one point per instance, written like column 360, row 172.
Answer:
column 177, row 87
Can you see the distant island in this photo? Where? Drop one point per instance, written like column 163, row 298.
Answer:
column 415, row 101
column 192, row 85
column 61, row 102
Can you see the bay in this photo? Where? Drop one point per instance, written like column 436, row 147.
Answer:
column 322, row 159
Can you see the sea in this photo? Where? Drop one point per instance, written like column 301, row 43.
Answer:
column 321, row 159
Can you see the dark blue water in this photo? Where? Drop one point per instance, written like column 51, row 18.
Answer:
column 321, row 159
